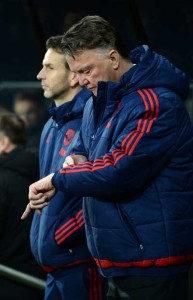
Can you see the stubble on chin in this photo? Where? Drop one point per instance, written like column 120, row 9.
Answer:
column 47, row 94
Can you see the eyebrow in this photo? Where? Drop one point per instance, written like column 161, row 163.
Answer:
column 84, row 68
column 47, row 64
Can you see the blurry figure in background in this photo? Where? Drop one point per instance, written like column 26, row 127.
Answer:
column 32, row 110
column 4, row 107
column 18, row 169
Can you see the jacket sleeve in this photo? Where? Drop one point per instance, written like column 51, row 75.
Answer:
column 142, row 148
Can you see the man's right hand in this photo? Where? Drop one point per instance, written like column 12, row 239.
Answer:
column 40, row 192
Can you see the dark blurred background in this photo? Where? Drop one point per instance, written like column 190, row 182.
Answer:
column 167, row 26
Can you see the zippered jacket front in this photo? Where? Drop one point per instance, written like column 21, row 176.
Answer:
column 58, row 234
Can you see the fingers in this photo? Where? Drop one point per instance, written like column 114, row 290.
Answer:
column 41, row 189
column 69, row 161
column 35, row 202
column 33, row 196
column 38, row 206
column 39, row 193
column 42, row 201
column 31, row 206
column 50, row 194
column 74, row 159
column 39, row 211
column 26, row 212
column 78, row 159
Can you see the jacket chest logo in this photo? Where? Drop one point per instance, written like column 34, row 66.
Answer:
column 70, row 133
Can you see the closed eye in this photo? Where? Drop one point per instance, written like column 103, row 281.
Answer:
column 86, row 71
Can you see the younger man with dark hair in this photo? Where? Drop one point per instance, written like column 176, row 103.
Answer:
column 58, row 237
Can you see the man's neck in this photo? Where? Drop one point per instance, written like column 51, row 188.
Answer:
column 68, row 96
column 124, row 67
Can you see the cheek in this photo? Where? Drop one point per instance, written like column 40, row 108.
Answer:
column 52, row 85
column 98, row 75
column 107, row 73
column 104, row 72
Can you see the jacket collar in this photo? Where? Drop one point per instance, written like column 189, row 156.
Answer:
column 71, row 109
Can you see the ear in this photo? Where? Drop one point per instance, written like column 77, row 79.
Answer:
column 114, row 58
column 73, row 79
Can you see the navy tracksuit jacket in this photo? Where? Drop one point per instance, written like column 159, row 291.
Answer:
column 138, row 182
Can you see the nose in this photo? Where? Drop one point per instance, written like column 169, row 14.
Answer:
column 40, row 75
column 83, row 81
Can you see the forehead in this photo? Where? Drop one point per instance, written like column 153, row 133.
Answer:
column 53, row 57
column 85, row 58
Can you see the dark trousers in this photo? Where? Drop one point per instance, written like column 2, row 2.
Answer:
column 173, row 287
column 81, row 282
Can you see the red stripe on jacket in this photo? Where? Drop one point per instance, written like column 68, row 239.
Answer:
column 158, row 262
column 75, row 263
column 69, row 227
column 130, row 142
